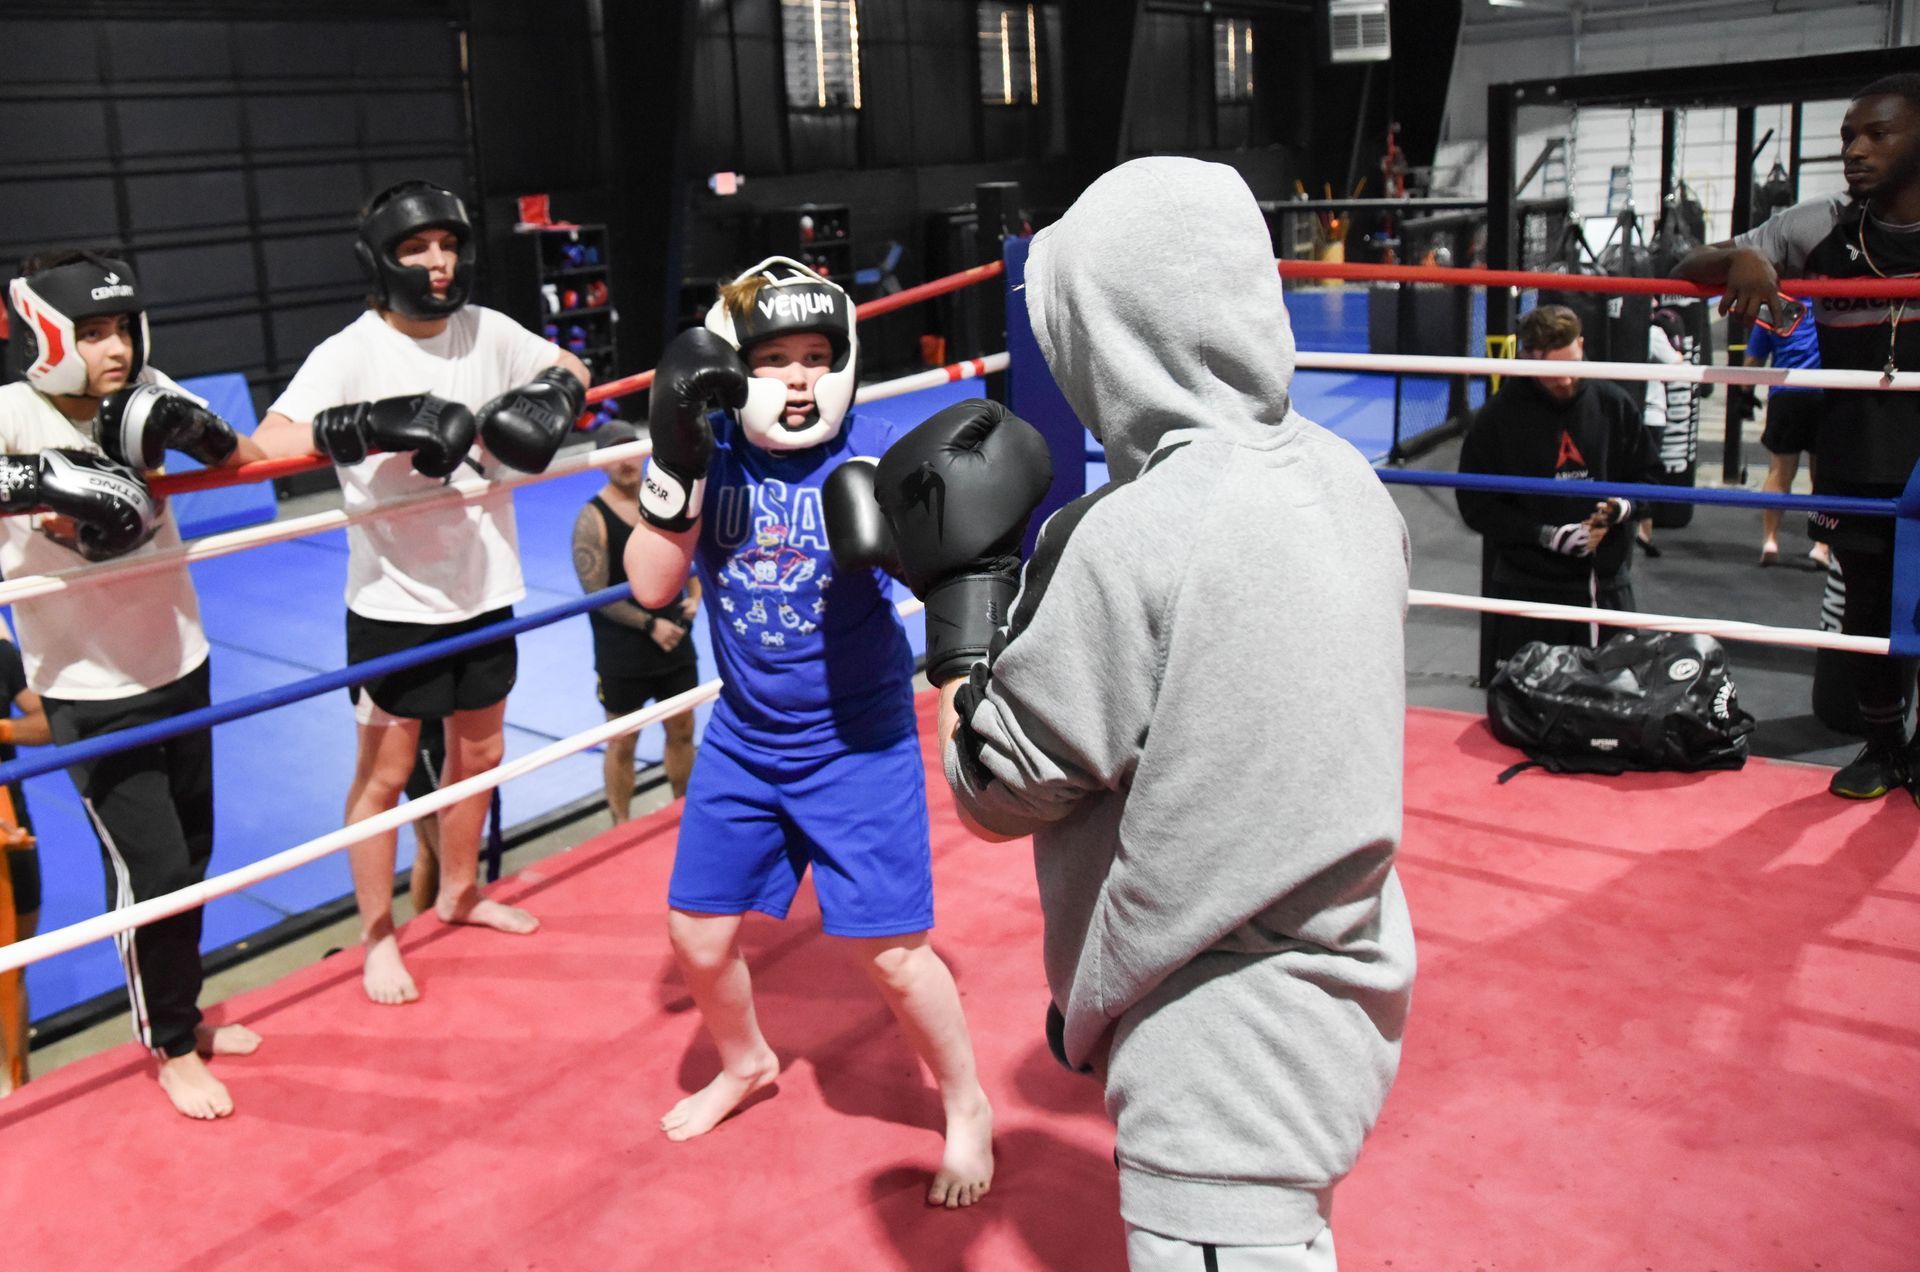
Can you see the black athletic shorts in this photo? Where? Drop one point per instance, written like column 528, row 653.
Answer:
column 621, row 695
column 1791, row 420
column 468, row 681
column 23, row 864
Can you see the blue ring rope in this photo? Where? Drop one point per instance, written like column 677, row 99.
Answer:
column 1651, row 494
column 1642, row 493
column 94, row 748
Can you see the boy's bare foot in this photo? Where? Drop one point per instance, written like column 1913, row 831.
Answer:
column 966, row 1164
column 478, row 911
column 385, row 975
column 1769, row 552
column 193, row 1088
column 225, row 1040
column 709, row 1106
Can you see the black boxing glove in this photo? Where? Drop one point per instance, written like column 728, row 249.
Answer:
column 108, row 503
column 857, row 533
column 698, row 371
column 958, row 492
column 1574, row 539
column 524, row 427
column 138, row 424
column 438, row 432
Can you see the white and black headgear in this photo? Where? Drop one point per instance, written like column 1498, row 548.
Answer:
column 397, row 213
column 48, row 305
column 793, row 300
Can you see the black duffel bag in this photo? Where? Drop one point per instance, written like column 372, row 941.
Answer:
column 1642, row 700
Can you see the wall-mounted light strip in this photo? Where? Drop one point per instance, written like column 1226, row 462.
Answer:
column 1033, row 59
column 853, row 47
column 820, row 53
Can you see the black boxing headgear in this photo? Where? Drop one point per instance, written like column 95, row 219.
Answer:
column 48, row 305
column 396, row 214
column 793, row 300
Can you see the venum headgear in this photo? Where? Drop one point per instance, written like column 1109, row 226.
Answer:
column 398, row 213
column 793, row 300
column 49, row 305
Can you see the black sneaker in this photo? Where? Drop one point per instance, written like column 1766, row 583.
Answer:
column 1878, row 769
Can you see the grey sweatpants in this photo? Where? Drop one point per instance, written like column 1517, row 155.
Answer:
column 1151, row 1252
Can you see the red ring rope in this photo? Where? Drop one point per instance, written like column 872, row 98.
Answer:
column 269, row 469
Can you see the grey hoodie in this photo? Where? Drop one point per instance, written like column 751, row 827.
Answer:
column 1197, row 714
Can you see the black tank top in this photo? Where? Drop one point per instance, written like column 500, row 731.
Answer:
column 619, row 650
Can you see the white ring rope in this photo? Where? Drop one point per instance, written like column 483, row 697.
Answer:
column 232, row 541
column 1542, row 368
column 1728, row 629
column 218, row 545
column 101, row 926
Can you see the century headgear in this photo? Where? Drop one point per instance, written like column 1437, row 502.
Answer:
column 398, row 213
column 793, row 300
column 47, row 306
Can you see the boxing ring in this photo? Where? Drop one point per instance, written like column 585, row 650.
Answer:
column 1663, row 1020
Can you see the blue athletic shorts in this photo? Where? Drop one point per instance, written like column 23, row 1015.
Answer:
column 754, row 821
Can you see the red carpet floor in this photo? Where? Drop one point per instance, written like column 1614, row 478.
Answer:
column 1664, row 1022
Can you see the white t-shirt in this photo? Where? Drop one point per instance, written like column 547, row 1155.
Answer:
column 98, row 641
column 449, row 563
column 1659, row 395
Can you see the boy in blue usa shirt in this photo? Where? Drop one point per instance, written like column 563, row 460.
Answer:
column 812, row 757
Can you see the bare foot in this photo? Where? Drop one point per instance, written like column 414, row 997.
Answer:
column 966, row 1165
column 193, row 1088
column 385, row 975
column 478, row 911
column 225, row 1040
column 1769, row 552
column 1820, row 554
column 709, row 1106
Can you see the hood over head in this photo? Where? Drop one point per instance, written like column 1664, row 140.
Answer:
column 1158, row 308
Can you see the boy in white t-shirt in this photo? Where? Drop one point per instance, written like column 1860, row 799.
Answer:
column 419, row 376
column 87, row 415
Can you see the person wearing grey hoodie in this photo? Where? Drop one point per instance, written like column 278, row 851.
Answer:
column 1196, row 711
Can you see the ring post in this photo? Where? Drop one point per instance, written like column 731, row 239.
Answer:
column 1906, row 572
column 1035, row 397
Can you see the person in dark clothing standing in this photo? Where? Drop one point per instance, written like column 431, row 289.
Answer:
column 1867, row 441
column 1550, row 548
column 640, row 655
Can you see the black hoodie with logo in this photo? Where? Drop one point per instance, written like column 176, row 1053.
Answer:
column 1522, row 431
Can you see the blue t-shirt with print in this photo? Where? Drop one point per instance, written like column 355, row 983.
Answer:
column 814, row 662
column 1799, row 350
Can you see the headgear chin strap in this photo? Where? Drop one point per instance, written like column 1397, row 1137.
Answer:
column 793, row 300
column 402, row 211
column 52, row 303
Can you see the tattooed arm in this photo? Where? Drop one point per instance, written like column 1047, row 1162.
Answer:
column 590, row 563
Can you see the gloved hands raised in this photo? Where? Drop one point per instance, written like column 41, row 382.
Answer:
column 105, row 507
column 138, row 424
column 697, row 372
column 524, row 427
column 958, row 492
column 438, row 432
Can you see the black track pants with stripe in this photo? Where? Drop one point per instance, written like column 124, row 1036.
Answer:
column 1882, row 685
column 152, row 808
